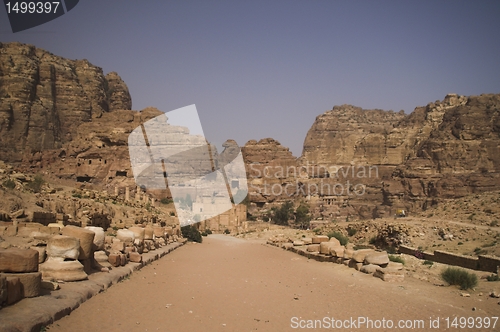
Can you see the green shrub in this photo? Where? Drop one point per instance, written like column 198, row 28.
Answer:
column 342, row 239
column 493, row 277
column 172, row 213
column 36, row 184
column 77, row 195
column 427, row 262
column 204, row 233
column 191, row 233
column 460, row 277
column 166, row 200
column 9, row 184
column 208, row 231
column 317, row 231
column 227, row 231
column 351, row 231
column 397, row 259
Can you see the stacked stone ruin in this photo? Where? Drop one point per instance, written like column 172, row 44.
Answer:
column 324, row 249
column 70, row 253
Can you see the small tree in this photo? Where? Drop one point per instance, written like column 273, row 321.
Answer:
column 191, row 233
column 282, row 214
column 302, row 217
column 37, row 183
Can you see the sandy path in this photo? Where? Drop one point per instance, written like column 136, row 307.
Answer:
column 228, row 284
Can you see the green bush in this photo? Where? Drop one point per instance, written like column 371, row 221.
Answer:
column 351, row 231
column 427, row 262
column 36, row 184
column 397, row 259
column 191, row 233
column 493, row 277
column 9, row 184
column 460, row 277
column 165, row 200
column 208, row 231
column 342, row 239
column 227, row 231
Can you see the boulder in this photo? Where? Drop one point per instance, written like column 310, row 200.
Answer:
column 377, row 258
column 359, row 255
column 86, row 238
column 30, row 282
column 61, row 247
column 62, row 270
column 98, row 237
column 395, row 265
column 307, row 240
column 298, row 243
column 18, row 260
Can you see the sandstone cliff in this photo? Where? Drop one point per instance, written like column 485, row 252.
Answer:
column 44, row 98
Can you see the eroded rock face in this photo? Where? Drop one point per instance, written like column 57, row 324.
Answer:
column 368, row 163
column 44, row 98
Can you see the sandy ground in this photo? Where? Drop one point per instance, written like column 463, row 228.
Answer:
column 230, row 284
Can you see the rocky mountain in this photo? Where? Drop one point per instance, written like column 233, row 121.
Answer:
column 44, row 98
column 370, row 162
column 67, row 118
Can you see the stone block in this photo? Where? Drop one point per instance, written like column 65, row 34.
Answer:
column 3, row 289
column 298, row 243
column 337, row 251
column 348, row 253
column 307, row 240
column 139, row 234
column 320, row 238
column 86, row 238
column 148, row 233
column 158, row 232
column 395, row 265
column 42, row 253
column 11, row 230
column 99, row 237
column 359, row 255
column 62, row 270
column 369, row 269
column 135, row 257
column 125, row 235
column 18, row 260
column 123, row 259
column 377, row 258
column 30, row 282
column 50, row 285
column 326, row 247
column 389, row 274
column 334, row 240
column 114, row 260
column 62, row 247
column 313, row 248
column 14, row 290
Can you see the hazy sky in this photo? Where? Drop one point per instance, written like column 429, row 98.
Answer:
column 259, row 69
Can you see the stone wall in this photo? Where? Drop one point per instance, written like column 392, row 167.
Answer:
column 481, row 263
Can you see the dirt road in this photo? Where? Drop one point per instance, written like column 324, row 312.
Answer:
column 229, row 284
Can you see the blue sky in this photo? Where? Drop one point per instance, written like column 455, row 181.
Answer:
column 259, row 69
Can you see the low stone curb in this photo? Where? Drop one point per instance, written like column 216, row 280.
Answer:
column 31, row 314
